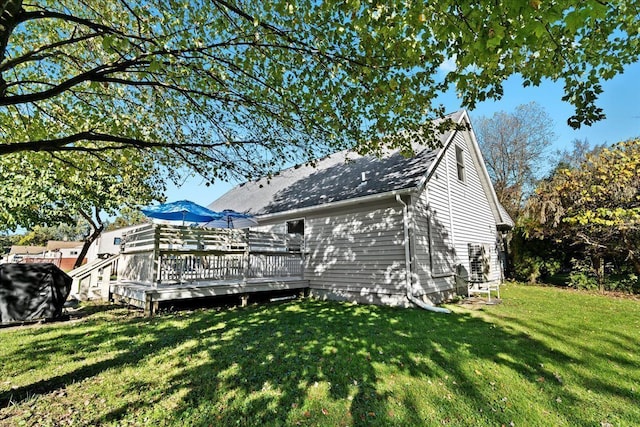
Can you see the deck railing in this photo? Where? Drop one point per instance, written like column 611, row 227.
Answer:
column 162, row 254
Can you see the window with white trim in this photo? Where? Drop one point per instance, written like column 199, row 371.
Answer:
column 460, row 163
column 296, row 226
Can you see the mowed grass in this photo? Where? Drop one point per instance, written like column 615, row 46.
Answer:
column 544, row 357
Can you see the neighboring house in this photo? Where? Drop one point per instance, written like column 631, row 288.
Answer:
column 108, row 243
column 66, row 251
column 61, row 253
column 18, row 253
column 387, row 230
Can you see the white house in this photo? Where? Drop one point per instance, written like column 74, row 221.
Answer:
column 108, row 243
column 390, row 230
column 65, row 252
column 61, row 253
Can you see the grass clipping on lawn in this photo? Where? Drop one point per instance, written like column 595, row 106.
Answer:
column 544, row 357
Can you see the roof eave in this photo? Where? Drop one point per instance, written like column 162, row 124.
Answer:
column 334, row 205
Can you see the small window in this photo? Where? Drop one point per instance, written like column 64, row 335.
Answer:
column 460, row 163
column 117, row 240
column 296, row 227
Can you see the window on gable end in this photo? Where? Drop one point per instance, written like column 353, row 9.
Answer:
column 460, row 163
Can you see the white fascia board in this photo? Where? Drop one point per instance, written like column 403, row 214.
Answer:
column 485, row 179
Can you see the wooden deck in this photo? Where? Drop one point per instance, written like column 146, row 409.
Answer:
column 159, row 263
column 149, row 297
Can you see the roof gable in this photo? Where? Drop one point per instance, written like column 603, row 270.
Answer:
column 27, row 250
column 53, row 245
column 341, row 176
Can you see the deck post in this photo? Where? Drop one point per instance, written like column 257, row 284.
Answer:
column 150, row 305
column 247, row 260
column 156, row 269
column 105, row 283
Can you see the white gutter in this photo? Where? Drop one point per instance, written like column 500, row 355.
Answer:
column 331, row 205
column 407, row 258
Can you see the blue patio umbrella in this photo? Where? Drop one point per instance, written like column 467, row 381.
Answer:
column 183, row 212
column 232, row 219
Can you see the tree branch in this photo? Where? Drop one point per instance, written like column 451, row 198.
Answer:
column 90, row 75
column 288, row 38
column 101, row 28
column 33, row 55
column 66, row 144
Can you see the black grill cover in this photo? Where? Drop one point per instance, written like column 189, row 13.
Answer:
column 32, row 291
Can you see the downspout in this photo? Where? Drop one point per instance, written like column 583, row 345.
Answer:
column 407, row 260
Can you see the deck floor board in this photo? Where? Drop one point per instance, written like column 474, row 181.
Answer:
column 147, row 296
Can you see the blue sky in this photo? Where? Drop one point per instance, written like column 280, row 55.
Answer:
column 620, row 101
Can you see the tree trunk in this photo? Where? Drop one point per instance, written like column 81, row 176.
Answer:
column 87, row 243
column 598, row 266
column 9, row 17
column 631, row 252
column 636, row 264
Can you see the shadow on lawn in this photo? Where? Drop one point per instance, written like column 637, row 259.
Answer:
column 595, row 355
column 263, row 364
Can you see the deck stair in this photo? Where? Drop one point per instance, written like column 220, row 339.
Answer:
column 92, row 280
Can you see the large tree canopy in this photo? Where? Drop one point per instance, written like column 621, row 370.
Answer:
column 222, row 87
column 229, row 86
column 238, row 88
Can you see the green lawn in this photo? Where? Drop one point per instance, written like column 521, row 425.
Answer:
column 545, row 357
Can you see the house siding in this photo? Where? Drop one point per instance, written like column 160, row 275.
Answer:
column 433, row 249
column 356, row 253
column 454, row 214
column 473, row 219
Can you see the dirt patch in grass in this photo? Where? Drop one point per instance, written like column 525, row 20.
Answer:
column 477, row 303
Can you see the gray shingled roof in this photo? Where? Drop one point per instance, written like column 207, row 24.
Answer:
column 334, row 178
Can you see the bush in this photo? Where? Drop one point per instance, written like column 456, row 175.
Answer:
column 582, row 280
column 583, row 277
column 531, row 268
column 629, row 283
column 534, row 258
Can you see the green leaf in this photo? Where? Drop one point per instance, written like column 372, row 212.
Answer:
column 155, row 65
